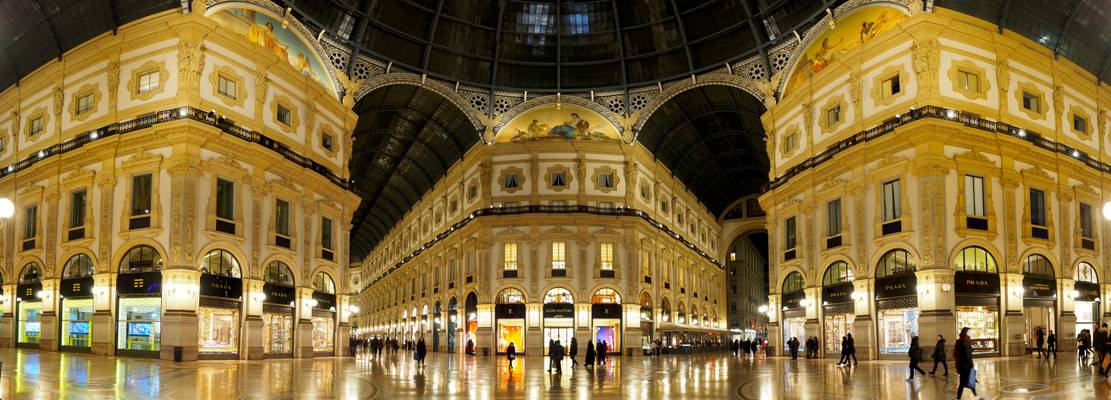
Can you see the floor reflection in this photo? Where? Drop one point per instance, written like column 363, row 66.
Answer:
column 50, row 375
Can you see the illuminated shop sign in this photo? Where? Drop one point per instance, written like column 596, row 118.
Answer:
column 221, row 286
column 976, row 283
column 509, row 310
column 605, row 310
column 1088, row 291
column 324, row 301
column 139, row 283
column 559, row 310
column 29, row 291
column 839, row 293
column 76, row 287
column 1039, row 287
column 792, row 300
column 279, row 294
column 896, row 286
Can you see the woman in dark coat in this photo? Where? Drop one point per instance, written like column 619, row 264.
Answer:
column 510, row 354
column 915, row 354
column 589, row 362
column 574, row 351
column 962, row 353
column 939, row 355
column 421, row 350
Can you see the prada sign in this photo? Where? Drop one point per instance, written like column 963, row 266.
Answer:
column 792, row 300
column 324, row 301
column 279, row 294
column 76, row 287
column 976, row 283
column 896, row 286
column 509, row 310
column 1039, row 287
column 29, row 291
column 559, row 310
column 1088, row 291
column 139, row 283
column 605, row 310
column 839, row 293
column 221, row 286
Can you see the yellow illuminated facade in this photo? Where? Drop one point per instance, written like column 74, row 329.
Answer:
column 159, row 175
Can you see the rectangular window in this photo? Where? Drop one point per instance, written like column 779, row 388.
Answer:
column 77, row 204
column 1037, row 208
column 36, row 126
column 891, row 86
column 140, row 194
column 30, row 223
column 281, row 214
column 225, row 199
column 453, row 206
column 472, row 191
column 974, row 203
column 791, row 142
column 84, row 104
column 1079, row 124
column 605, row 180
column 226, row 87
column 789, row 233
column 1031, row 102
column 968, row 81
column 148, row 81
column 559, row 255
column 326, row 233
column 605, row 253
column 510, row 256
column 1086, row 221
column 892, row 208
column 512, row 181
column 559, row 179
column 284, row 116
column 833, row 115
column 326, row 141
column 833, row 215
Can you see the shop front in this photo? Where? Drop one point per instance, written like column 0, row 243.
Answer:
column 509, row 320
column 977, row 307
column 437, row 314
column 605, row 319
column 470, row 310
column 452, row 324
column 794, row 314
column 324, row 314
column 838, row 308
column 77, row 313
column 1039, row 299
column 139, row 310
column 278, row 317
column 1086, row 301
column 219, row 307
column 896, row 312
column 29, row 307
column 647, row 322
column 559, row 317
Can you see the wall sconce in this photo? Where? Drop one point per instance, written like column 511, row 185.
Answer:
column 1017, row 291
column 859, row 296
column 762, row 309
column 945, row 287
column 1096, row 300
column 923, row 289
column 805, row 302
column 354, row 309
column 258, row 297
column 1074, row 294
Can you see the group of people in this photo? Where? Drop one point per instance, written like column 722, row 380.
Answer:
column 962, row 354
column 1040, row 341
column 556, row 352
column 1099, row 344
column 747, row 346
column 376, row 345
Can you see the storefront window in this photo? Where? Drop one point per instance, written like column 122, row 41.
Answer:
column 983, row 324
column 140, row 326
column 836, row 327
column 897, row 327
column 323, row 334
column 219, row 330
column 511, row 331
column 30, row 328
column 77, row 315
column 794, row 328
column 278, row 330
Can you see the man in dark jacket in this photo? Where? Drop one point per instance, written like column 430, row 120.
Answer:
column 793, row 345
column 852, row 350
column 1098, row 344
column 557, row 356
column 1052, row 342
column 939, row 355
column 574, row 352
column 1039, row 342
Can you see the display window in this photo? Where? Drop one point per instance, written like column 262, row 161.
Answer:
column 218, row 330
column 563, row 335
column 511, row 331
column 472, row 329
column 608, row 331
column 983, row 324
column 140, row 323
column 77, row 315
column 897, row 327
column 278, row 333
column 323, row 334
column 794, row 328
column 837, row 326
column 1038, row 318
column 30, row 326
column 1086, row 315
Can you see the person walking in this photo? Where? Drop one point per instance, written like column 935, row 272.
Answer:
column 915, row 354
column 511, row 354
column 939, row 355
column 1099, row 341
column 589, row 361
column 470, row 347
column 962, row 353
column 1039, row 342
column 1105, row 367
column 736, row 345
column 1081, row 349
column 793, row 344
column 551, row 349
column 852, row 350
column 844, row 351
column 1052, row 342
column 574, row 351
column 557, row 357
column 603, row 347
column 421, row 351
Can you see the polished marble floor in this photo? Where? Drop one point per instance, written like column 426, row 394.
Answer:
column 47, row 375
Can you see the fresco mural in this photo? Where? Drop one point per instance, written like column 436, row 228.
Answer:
column 853, row 29
column 266, row 32
column 551, row 121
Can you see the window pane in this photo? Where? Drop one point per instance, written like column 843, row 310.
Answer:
column 1085, row 220
column 510, row 256
column 77, row 209
column 225, row 199
column 834, row 214
column 892, row 209
column 974, row 196
column 140, row 194
column 607, row 256
column 326, row 233
column 1037, row 207
column 559, row 255
column 282, row 224
column 790, row 233
column 30, row 225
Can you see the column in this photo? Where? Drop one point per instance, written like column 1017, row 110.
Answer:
column 864, row 331
column 935, row 304
column 813, row 324
column 487, row 341
column 303, row 337
column 253, row 336
column 103, row 323
column 1066, row 324
column 1014, row 324
column 775, row 333
column 630, row 323
column 534, row 334
column 179, row 316
column 7, row 320
column 343, row 328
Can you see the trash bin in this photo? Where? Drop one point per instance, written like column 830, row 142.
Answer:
column 177, row 353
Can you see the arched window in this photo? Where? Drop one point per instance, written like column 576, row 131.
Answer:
column 278, row 273
column 894, row 262
column 558, row 295
column 793, row 283
column 681, row 313
column 838, row 272
column 220, row 262
column 645, row 299
column 511, row 296
column 323, row 283
column 1086, row 273
column 31, row 273
column 976, row 259
column 78, row 266
column 694, row 315
column 141, row 259
column 606, row 296
column 1037, row 265
column 665, row 309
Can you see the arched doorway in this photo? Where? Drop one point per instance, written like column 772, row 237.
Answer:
column 1039, row 295
column 218, row 310
column 323, row 314
column 838, row 308
column 436, row 315
column 509, row 318
column 76, row 303
column 794, row 313
column 452, row 315
column 139, row 303
column 896, row 302
column 1087, row 301
column 278, row 310
column 559, row 317
column 29, row 306
column 470, row 309
column 647, row 321
column 605, row 312
column 976, row 285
